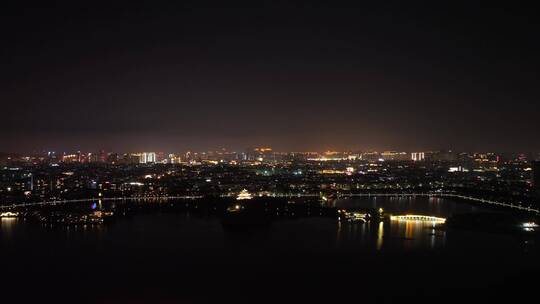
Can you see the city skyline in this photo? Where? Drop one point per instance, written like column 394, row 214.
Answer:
column 273, row 151
column 270, row 150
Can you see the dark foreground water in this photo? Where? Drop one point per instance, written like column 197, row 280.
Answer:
column 180, row 258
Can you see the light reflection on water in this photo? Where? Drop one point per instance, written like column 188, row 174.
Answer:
column 384, row 235
column 380, row 235
column 160, row 245
column 7, row 225
column 402, row 234
column 320, row 232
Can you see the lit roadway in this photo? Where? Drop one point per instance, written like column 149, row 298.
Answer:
column 87, row 200
column 313, row 195
column 429, row 194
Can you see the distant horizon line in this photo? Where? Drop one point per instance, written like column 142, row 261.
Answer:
column 254, row 149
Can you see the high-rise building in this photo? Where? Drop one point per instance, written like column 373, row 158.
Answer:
column 147, row 158
column 418, row 156
column 174, row 159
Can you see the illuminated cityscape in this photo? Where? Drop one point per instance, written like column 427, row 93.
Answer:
column 418, row 200
column 269, row 152
column 50, row 176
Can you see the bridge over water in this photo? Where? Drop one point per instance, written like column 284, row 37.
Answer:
column 293, row 195
column 104, row 199
column 418, row 218
column 426, row 194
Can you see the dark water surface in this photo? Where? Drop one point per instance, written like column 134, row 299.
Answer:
column 163, row 257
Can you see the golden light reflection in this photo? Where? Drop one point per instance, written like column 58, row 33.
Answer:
column 380, row 235
column 409, row 229
column 7, row 224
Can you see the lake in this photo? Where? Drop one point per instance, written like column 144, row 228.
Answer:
column 171, row 257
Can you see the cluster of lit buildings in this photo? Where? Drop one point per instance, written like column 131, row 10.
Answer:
column 260, row 155
column 262, row 170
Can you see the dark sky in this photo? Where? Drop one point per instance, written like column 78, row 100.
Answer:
column 293, row 76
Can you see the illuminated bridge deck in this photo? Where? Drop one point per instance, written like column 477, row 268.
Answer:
column 292, row 195
column 418, row 218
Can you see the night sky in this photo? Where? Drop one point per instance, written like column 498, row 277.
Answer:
column 292, row 76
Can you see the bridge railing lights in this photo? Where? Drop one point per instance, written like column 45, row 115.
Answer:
column 418, row 218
